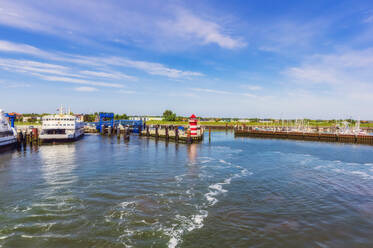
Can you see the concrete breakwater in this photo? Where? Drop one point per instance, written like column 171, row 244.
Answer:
column 313, row 136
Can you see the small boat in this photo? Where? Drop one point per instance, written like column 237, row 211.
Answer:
column 8, row 135
column 62, row 127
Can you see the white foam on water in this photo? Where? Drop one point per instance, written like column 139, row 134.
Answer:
column 210, row 198
column 122, row 210
column 245, row 172
column 338, row 170
column 228, row 180
column 178, row 179
column 369, row 164
column 27, row 236
column 352, row 163
column 307, row 155
column 205, row 160
column 186, row 225
column 224, row 162
column 125, row 204
column 20, row 209
column 319, row 167
column 362, row 174
column 218, row 187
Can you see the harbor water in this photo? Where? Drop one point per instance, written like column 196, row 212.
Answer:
column 232, row 192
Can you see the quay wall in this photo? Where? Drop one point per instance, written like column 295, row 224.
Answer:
column 328, row 137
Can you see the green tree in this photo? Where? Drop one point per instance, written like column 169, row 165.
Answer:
column 168, row 115
column 121, row 117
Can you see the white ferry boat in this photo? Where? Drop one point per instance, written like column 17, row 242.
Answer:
column 61, row 127
column 8, row 135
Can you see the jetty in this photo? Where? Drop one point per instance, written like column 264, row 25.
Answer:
column 178, row 134
column 310, row 135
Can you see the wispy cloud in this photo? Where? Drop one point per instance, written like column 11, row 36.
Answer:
column 346, row 76
column 150, row 67
column 346, row 68
column 110, row 75
column 191, row 27
column 85, row 89
column 251, row 87
column 125, row 21
column 223, row 92
column 29, row 66
column 78, row 81
column 6, row 46
column 213, row 91
column 289, row 35
column 102, row 62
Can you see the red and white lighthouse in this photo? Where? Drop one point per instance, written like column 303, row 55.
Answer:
column 193, row 125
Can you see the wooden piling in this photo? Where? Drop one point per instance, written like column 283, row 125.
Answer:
column 176, row 134
column 166, row 131
column 209, row 134
column 118, row 132
column 189, row 138
column 156, row 132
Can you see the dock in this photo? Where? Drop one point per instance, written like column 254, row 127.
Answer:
column 307, row 136
column 172, row 133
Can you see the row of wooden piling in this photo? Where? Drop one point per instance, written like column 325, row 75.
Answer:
column 28, row 137
column 175, row 136
column 117, row 131
column 316, row 136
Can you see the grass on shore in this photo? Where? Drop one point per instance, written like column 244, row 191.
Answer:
column 21, row 123
column 223, row 124
column 218, row 124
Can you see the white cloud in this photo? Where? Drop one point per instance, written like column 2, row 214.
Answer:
column 125, row 21
column 78, row 81
column 223, row 92
column 346, row 68
column 6, row 46
column 98, row 62
column 249, row 95
column 110, row 75
column 192, row 27
column 29, row 66
column 287, row 36
column 252, row 87
column 150, row 67
column 213, row 91
column 85, row 89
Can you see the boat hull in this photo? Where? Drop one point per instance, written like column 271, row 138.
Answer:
column 59, row 138
column 7, row 145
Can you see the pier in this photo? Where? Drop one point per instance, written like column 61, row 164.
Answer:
column 173, row 133
column 242, row 131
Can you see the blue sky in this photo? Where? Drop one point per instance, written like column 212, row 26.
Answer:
column 280, row 59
